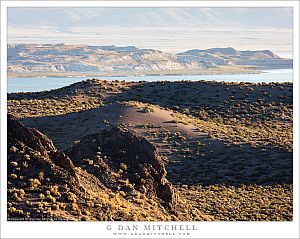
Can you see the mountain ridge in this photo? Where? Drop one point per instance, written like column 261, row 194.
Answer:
column 152, row 16
column 127, row 60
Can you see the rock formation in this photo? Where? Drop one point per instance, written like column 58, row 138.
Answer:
column 32, row 138
column 103, row 177
column 122, row 156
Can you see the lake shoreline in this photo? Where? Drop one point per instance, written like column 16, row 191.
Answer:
column 48, row 83
column 136, row 75
column 210, row 71
column 255, row 70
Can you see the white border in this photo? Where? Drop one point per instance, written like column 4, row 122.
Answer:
column 98, row 229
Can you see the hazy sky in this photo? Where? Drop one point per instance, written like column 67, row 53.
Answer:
column 169, row 29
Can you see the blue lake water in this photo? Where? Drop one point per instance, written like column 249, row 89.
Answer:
column 39, row 84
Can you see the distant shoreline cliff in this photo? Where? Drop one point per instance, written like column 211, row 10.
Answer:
column 33, row 60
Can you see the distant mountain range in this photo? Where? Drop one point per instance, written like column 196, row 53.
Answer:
column 60, row 59
column 277, row 17
column 170, row 29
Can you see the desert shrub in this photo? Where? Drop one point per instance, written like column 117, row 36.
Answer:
column 202, row 114
column 34, row 183
column 123, row 166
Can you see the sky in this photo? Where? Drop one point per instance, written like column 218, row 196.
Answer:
column 167, row 29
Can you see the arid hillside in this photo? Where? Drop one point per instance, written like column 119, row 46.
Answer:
column 223, row 150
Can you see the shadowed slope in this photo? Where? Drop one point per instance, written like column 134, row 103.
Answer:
column 44, row 183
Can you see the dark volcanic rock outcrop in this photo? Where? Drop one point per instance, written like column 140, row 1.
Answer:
column 34, row 169
column 35, row 140
column 119, row 155
column 117, row 173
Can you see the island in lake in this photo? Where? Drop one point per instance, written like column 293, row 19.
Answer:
column 36, row 60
